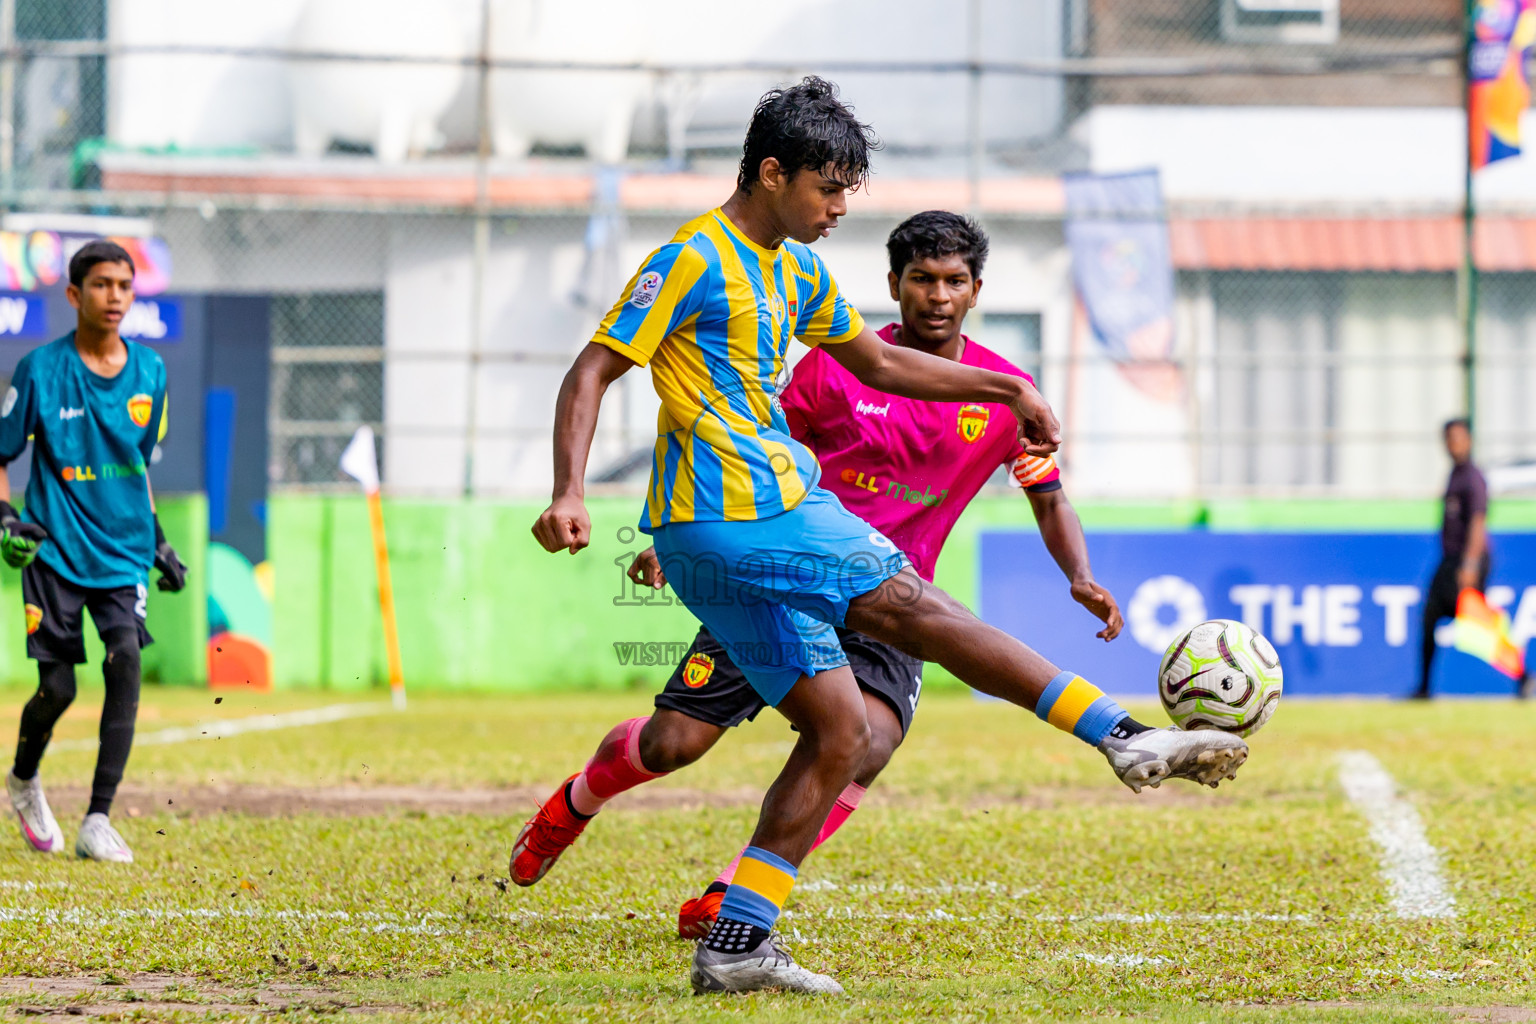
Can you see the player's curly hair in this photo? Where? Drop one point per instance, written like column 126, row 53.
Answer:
column 806, row 127
column 937, row 233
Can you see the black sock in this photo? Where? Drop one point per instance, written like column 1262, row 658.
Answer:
column 716, row 886
column 55, row 692
column 118, row 714
column 1128, row 727
column 731, row 936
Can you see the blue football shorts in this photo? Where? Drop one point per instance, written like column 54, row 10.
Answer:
column 773, row 590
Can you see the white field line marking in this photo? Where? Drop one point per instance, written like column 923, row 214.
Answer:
column 1120, row 959
column 236, row 726
column 441, row 923
column 1409, row 863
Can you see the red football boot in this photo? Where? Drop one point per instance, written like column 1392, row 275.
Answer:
column 697, row 916
column 545, row 837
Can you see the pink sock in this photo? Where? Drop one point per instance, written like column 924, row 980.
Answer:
column 847, row 803
column 614, row 768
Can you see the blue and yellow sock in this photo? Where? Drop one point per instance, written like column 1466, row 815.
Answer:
column 753, row 901
column 1073, row 704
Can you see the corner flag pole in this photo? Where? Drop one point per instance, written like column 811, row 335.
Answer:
column 361, row 462
column 1467, row 278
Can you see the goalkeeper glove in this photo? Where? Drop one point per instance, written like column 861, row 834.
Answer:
column 173, row 575
column 18, row 539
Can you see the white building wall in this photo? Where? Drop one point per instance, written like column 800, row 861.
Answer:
column 1298, row 156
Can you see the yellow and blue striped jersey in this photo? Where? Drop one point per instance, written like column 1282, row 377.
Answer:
column 712, row 313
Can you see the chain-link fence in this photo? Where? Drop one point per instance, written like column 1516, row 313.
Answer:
column 438, row 211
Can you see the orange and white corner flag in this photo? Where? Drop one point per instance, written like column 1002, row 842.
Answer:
column 360, row 461
column 1483, row 632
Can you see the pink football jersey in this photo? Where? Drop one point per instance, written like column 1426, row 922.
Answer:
column 908, row 468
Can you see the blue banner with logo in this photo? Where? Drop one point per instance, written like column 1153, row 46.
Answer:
column 1343, row 610
column 153, row 320
column 1117, row 233
column 23, row 316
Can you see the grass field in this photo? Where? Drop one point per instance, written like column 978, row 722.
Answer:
column 996, row 872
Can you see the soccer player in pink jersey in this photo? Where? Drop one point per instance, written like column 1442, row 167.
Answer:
column 906, row 467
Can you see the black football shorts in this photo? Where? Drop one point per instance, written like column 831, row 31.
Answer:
column 708, row 686
column 55, row 627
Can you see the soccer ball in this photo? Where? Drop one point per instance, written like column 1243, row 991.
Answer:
column 1220, row 675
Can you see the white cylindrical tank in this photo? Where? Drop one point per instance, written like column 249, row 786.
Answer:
column 193, row 101
column 591, row 109
column 392, row 106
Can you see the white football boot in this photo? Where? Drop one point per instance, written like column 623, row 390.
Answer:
column 767, row 966
column 37, row 825
column 98, row 840
column 1202, row 755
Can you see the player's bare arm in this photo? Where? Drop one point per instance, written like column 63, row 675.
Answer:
column 912, row 374
column 565, row 524
column 1062, row 532
column 1477, row 545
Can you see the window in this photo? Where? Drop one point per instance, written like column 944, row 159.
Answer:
column 327, row 380
column 1014, row 336
column 1328, row 382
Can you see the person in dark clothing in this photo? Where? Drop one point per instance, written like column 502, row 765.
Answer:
column 1463, row 542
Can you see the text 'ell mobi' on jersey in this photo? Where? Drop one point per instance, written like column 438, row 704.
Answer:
column 907, row 467
column 712, row 314
column 92, row 438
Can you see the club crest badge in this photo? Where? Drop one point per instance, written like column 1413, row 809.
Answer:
column 139, row 407
column 776, row 306
column 973, row 422
column 34, row 618
column 698, row 670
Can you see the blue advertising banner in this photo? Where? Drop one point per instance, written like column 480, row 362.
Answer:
column 1343, row 610
column 153, row 320
column 23, row 316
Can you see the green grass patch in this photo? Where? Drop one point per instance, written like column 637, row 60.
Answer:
column 997, row 872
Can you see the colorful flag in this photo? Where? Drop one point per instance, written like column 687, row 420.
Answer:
column 1483, row 632
column 1117, row 233
column 1497, row 93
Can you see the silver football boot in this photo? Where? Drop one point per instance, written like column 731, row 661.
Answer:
column 1205, row 756
column 765, row 966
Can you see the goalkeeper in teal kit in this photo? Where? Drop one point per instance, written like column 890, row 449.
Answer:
column 93, row 406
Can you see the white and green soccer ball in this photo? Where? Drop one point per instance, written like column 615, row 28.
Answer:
column 1220, row 675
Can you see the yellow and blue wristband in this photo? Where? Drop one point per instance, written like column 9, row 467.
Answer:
column 1073, row 704
column 758, row 891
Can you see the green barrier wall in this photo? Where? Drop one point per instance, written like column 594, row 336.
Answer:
column 482, row 606
column 179, row 622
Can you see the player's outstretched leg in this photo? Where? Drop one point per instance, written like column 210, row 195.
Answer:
column 55, row 692
column 561, row 819
column 634, row 752
column 908, row 611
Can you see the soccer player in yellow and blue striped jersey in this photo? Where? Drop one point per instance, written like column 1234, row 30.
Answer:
column 727, row 308
column 765, row 558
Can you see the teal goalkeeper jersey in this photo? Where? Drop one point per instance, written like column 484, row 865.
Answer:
column 92, row 440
